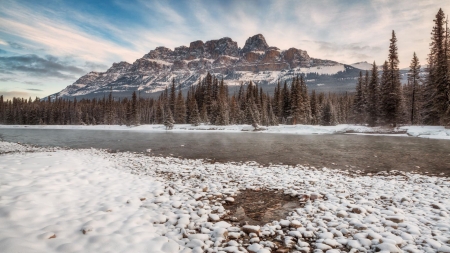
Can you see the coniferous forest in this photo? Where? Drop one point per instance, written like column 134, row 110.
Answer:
column 379, row 99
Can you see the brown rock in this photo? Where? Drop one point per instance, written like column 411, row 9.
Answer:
column 251, row 229
column 271, row 56
column 51, row 237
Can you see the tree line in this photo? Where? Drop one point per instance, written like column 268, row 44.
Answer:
column 379, row 99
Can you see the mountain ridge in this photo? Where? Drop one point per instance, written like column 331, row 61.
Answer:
column 256, row 61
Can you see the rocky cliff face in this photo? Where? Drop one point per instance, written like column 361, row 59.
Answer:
column 256, row 61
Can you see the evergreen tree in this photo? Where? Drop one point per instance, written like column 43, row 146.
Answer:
column 168, row 119
column 392, row 100
column 172, row 98
column 413, row 80
column 358, row 104
column 372, row 97
column 438, row 81
column 286, row 103
column 180, row 109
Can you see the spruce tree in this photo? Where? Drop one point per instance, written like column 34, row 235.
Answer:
column 168, row 119
column 438, row 81
column 392, row 100
column 180, row 109
column 413, row 80
column 358, row 104
column 372, row 97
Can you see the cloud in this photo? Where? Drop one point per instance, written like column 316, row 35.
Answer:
column 37, row 66
column 16, row 45
column 33, row 83
column 11, row 94
column 92, row 66
column 7, row 79
column 35, row 89
column 3, row 51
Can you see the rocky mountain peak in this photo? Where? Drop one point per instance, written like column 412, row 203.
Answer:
column 255, row 43
column 256, row 61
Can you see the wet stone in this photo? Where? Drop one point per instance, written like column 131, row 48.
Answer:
column 261, row 207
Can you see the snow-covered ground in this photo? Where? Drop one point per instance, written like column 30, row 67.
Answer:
column 435, row 132
column 93, row 201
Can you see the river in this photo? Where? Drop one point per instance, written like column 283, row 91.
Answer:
column 353, row 152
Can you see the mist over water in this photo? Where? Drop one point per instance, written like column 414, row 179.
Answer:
column 352, row 152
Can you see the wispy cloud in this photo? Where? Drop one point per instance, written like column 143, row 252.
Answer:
column 35, row 89
column 33, row 83
column 67, row 39
column 37, row 66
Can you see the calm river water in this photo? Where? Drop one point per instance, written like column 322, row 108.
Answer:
column 353, row 152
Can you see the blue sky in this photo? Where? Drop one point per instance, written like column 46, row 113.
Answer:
column 46, row 45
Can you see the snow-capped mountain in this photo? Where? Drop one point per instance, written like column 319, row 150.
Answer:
column 256, row 61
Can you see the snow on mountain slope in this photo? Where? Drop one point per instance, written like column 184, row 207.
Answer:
column 362, row 65
column 256, row 61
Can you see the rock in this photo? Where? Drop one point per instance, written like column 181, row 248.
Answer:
column 387, row 247
column 214, row 217
column 86, row 230
column 254, row 248
column 436, row 206
column 251, row 229
column 254, row 240
column 255, row 43
column 220, row 233
column 285, row 223
column 358, row 210
column 142, row 199
column 396, row 219
column 229, row 200
column 234, row 235
column 342, row 214
column 315, row 196
column 295, row 224
column 304, row 250
column 53, row 236
column 201, row 237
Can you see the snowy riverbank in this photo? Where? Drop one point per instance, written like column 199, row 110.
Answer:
column 435, row 132
column 94, row 201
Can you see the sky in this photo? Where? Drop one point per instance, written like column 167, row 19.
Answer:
column 46, row 45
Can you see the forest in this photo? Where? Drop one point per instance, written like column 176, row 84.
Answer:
column 380, row 99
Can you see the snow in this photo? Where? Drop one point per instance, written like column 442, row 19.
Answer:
column 88, row 200
column 432, row 132
column 435, row 132
column 161, row 62
column 323, row 70
column 362, row 65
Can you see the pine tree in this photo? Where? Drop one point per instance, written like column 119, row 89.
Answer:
column 194, row 119
column 180, row 109
column 286, row 103
column 328, row 114
column 372, row 97
column 392, row 100
column 133, row 110
column 413, row 80
column 438, row 81
column 358, row 104
column 168, row 119
column 172, row 97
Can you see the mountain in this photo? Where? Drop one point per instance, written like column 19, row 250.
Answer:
column 256, row 61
